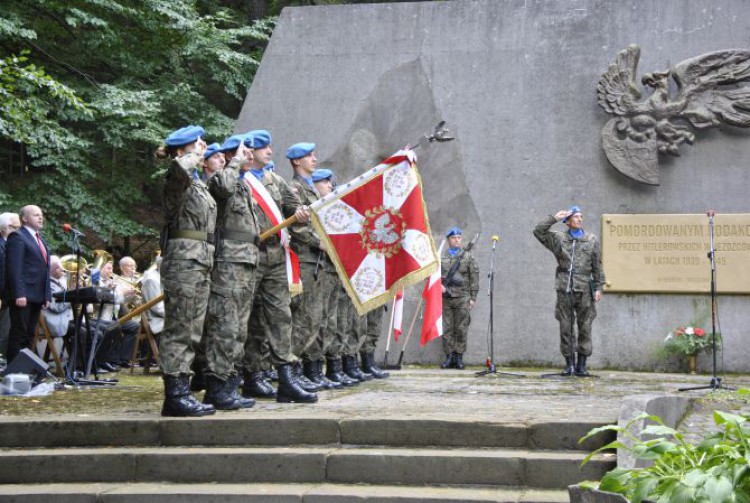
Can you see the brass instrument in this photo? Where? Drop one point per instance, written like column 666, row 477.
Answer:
column 101, row 257
column 74, row 268
column 132, row 300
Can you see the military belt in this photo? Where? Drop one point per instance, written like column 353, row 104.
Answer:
column 192, row 234
column 248, row 237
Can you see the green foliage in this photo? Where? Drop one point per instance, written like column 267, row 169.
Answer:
column 716, row 470
column 94, row 88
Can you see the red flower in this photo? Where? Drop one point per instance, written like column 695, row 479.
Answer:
column 699, row 332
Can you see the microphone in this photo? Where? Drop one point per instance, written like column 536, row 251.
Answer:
column 495, row 239
column 69, row 228
column 710, row 213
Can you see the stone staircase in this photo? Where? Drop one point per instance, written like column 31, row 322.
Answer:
column 284, row 456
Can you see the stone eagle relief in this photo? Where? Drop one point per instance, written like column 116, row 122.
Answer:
column 708, row 93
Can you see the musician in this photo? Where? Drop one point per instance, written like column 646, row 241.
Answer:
column 150, row 289
column 188, row 251
column 117, row 345
column 460, row 279
column 59, row 314
column 9, row 222
column 132, row 299
column 27, row 269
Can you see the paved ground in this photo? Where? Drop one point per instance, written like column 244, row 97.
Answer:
column 415, row 391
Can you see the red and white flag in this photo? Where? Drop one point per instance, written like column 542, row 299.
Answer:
column 432, row 321
column 398, row 314
column 271, row 210
column 377, row 232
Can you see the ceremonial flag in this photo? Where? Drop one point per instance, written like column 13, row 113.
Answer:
column 432, row 321
column 376, row 231
column 398, row 314
column 271, row 210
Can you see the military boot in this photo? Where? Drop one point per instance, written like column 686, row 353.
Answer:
column 450, row 361
column 234, row 383
column 303, row 381
column 460, row 361
column 369, row 366
column 289, row 389
column 570, row 363
column 219, row 394
column 335, row 373
column 351, row 368
column 178, row 402
column 271, row 375
column 256, row 386
column 320, row 379
column 581, row 366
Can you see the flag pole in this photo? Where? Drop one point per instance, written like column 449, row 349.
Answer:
column 390, row 330
column 276, row 228
column 408, row 334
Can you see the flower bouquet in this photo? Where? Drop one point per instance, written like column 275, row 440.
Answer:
column 690, row 340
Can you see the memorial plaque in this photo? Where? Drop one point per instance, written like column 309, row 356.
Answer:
column 669, row 253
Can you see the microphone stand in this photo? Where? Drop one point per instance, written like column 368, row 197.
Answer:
column 491, row 366
column 715, row 380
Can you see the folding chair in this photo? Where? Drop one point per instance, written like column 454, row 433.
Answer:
column 144, row 333
column 42, row 333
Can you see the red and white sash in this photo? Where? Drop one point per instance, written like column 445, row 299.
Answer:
column 271, row 210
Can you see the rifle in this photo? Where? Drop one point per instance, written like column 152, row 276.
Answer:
column 449, row 282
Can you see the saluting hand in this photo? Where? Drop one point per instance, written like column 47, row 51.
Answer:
column 562, row 214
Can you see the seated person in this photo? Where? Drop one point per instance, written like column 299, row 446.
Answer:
column 59, row 315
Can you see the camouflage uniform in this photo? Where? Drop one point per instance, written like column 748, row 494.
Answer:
column 338, row 323
column 456, row 312
column 587, row 276
column 271, row 312
column 309, row 308
column 374, row 329
column 190, row 214
column 233, row 277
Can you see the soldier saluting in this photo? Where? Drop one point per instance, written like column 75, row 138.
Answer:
column 579, row 280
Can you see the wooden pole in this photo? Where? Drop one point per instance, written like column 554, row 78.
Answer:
column 273, row 230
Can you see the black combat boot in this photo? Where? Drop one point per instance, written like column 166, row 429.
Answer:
column 351, row 368
column 460, row 361
column 289, row 389
column 316, row 376
column 450, row 361
column 198, row 381
column 570, row 363
column 178, row 402
column 219, row 394
column 234, row 382
column 305, row 383
column 581, row 366
column 271, row 375
column 369, row 366
column 256, row 386
column 335, row 373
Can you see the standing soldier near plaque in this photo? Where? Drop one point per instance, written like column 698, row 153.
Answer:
column 579, row 281
column 460, row 279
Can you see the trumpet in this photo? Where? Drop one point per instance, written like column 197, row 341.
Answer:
column 136, row 298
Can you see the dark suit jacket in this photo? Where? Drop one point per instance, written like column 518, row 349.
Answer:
column 2, row 270
column 27, row 273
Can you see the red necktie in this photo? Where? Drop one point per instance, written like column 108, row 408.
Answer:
column 41, row 247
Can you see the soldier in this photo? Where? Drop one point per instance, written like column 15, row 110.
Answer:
column 309, row 308
column 272, row 295
column 579, row 281
column 188, row 244
column 233, row 278
column 356, row 331
column 460, row 278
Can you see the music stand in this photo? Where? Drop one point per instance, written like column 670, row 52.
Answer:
column 491, row 366
column 715, row 380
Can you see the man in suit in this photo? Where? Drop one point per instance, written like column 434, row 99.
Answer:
column 9, row 222
column 28, row 283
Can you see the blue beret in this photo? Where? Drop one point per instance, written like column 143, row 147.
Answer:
column 261, row 138
column 232, row 143
column 184, row 136
column 574, row 209
column 454, row 231
column 322, row 174
column 211, row 150
column 299, row 150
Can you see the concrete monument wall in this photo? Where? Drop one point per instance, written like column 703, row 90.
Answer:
column 516, row 82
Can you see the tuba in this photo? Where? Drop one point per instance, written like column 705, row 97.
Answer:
column 101, row 257
column 73, row 268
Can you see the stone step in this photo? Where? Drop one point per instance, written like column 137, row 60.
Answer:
column 259, row 429
column 270, row 493
column 378, row 466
